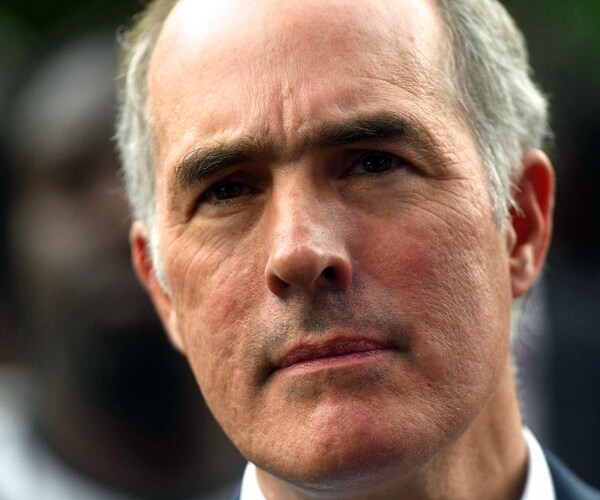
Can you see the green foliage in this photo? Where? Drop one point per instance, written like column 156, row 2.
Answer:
column 38, row 21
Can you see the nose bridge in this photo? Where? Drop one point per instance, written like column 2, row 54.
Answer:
column 300, row 218
column 306, row 216
column 307, row 248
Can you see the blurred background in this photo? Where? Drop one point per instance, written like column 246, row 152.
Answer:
column 94, row 403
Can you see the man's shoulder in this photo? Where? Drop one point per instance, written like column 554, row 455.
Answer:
column 234, row 493
column 228, row 492
column 566, row 484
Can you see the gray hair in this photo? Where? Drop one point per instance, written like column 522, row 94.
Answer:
column 134, row 134
column 506, row 111
column 492, row 82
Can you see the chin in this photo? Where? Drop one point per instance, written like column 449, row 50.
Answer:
column 348, row 473
column 350, row 455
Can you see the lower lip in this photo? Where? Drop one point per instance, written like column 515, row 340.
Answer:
column 335, row 362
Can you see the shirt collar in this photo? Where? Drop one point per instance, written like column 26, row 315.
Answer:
column 250, row 489
column 539, row 481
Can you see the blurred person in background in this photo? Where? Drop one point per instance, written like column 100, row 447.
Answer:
column 101, row 407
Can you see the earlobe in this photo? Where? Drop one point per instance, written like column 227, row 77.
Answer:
column 143, row 265
column 529, row 234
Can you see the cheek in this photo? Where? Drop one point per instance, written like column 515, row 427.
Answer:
column 214, row 289
column 446, row 276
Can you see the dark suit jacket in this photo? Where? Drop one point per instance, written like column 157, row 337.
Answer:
column 236, row 493
column 567, row 485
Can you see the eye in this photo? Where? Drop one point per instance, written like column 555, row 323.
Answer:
column 225, row 191
column 376, row 163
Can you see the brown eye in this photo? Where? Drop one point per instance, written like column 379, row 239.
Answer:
column 229, row 190
column 376, row 163
column 224, row 191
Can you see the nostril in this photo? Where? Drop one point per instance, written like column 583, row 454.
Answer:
column 329, row 273
column 307, row 270
column 278, row 286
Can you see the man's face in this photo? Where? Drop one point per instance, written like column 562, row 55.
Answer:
column 338, row 283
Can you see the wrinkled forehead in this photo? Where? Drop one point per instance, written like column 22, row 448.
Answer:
column 260, row 48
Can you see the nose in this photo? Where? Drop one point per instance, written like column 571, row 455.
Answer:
column 307, row 249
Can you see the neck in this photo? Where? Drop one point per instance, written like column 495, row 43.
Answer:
column 489, row 460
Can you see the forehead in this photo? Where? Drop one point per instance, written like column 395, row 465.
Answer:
column 273, row 67
column 194, row 24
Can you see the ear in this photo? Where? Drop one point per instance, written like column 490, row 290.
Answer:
column 142, row 263
column 531, row 221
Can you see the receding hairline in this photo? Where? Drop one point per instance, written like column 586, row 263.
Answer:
column 437, row 84
column 157, row 13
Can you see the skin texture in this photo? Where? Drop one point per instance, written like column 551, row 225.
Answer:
column 298, row 247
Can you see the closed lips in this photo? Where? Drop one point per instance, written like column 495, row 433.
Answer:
column 330, row 349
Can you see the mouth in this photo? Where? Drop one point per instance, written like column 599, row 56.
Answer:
column 331, row 354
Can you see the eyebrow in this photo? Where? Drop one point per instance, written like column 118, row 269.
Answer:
column 385, row 127
column 205, row 161
column 202, row 162
column 378, row 127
